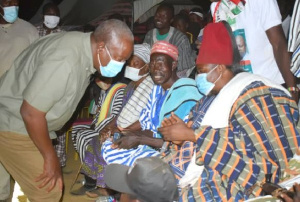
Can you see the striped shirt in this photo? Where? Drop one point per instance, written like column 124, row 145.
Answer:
column 294, row 39
column 149, row 118
column 128, row 156
column 82, row 134
column 138, row 101
column 186, row 59
column 263, row 134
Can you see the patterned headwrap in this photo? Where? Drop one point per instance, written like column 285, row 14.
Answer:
column 142, row 51
column 165, row 48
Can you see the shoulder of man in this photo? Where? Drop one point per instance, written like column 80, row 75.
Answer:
column 179, row 38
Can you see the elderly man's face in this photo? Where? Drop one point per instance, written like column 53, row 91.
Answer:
column 160, row 68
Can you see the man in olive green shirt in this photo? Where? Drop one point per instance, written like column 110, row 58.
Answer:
column 39, row 94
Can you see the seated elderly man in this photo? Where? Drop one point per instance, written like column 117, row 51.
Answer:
column 169, row 94
column 249, row 130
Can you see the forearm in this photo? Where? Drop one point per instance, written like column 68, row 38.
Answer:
column 134, row 127
column 146, row 133
column 283, row 61
column 282, row 57
column 151, row 141
column 37, row 129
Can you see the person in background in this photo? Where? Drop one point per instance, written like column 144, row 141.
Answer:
column 39, row 94
column 197, row 16
column 286, row 9
column 51, row 17
column 260, row 24
column 294, row 39
column 239, row 129
column 15, row 35
column 181, row 22
column 163, row 31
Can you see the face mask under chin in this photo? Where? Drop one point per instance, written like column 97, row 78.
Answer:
column 133, row 73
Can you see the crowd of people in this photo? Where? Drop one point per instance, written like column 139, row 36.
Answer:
column 205, row 109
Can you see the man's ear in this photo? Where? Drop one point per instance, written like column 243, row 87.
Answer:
column 174, row 65
column 100, row 46
column 221, row 68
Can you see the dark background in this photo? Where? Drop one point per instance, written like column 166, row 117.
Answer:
column 28, row 8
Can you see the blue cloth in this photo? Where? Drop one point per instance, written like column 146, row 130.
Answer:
column 181, row 98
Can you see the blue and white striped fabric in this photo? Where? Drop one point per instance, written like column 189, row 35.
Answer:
column 149, row 113
column 159, row 101
column 128, row 156
column 125, row 156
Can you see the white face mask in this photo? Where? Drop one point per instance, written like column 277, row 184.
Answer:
column 133, row 73
column 51, row 21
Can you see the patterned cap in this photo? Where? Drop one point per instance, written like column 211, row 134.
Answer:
column 165, row 48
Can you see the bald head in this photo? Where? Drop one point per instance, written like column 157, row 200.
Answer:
column 112, row 39
column 112, row 31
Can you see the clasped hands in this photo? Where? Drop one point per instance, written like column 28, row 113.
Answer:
column 175, row 130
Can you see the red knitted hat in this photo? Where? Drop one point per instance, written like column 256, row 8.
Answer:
column 216, row 47
column 165, row 48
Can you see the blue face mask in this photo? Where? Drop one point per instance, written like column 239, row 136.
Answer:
column 203, row 85
column 10, row 13
column 112, row 68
